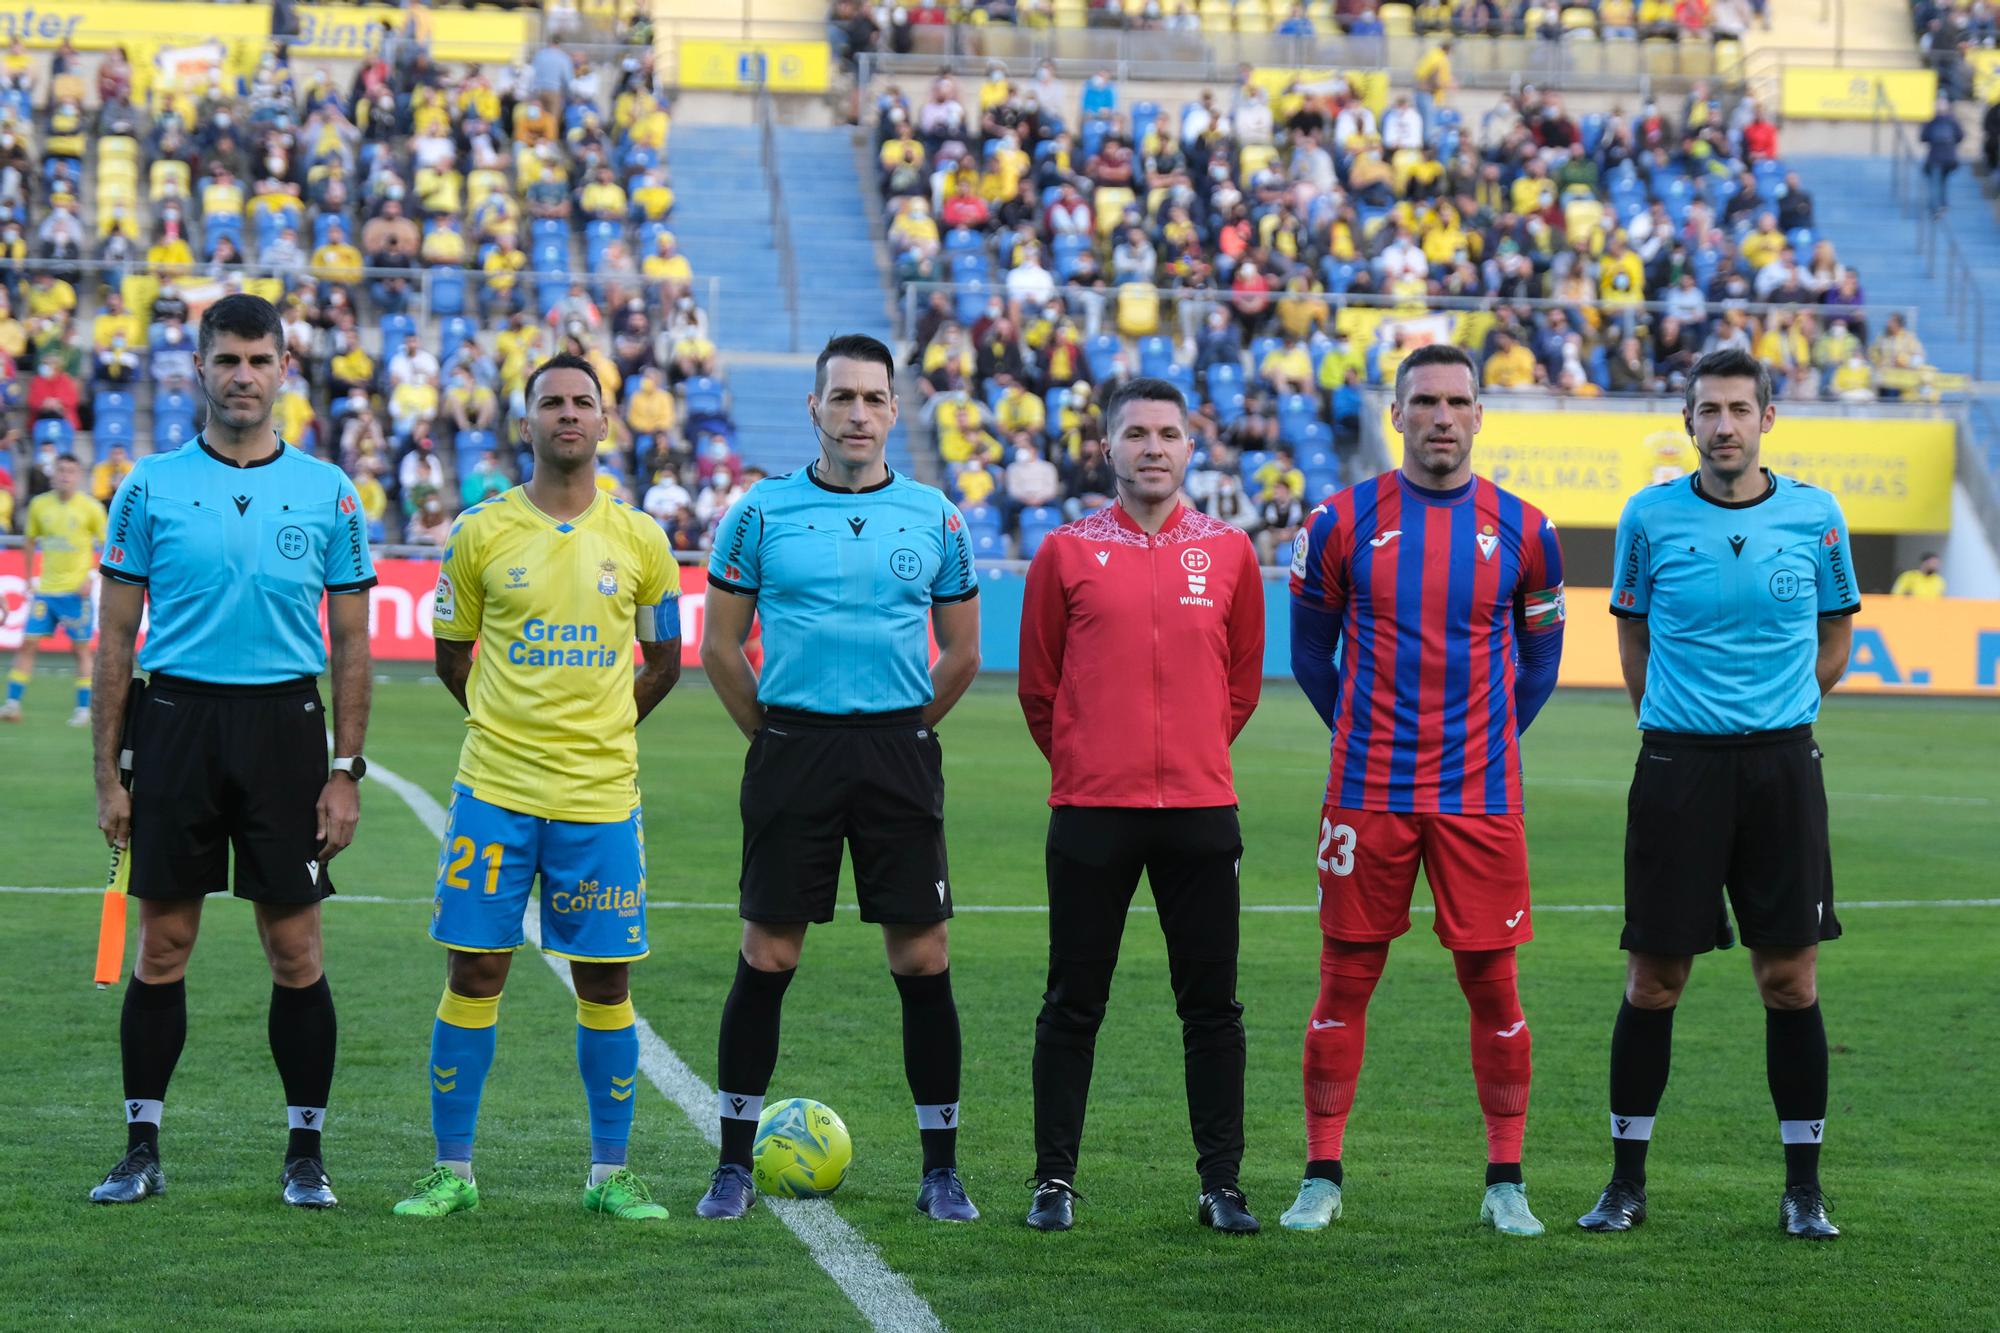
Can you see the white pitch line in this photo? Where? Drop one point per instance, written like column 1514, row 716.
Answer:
column 882, row 1295
column 1029, row 908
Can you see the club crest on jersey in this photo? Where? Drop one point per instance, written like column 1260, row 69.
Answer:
column 1488, row 541
column 607, row 578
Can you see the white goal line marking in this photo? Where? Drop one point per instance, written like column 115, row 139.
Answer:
column 1021, row 908
column 882, row 1295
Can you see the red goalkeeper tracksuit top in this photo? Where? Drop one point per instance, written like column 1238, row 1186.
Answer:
column 1141, row 658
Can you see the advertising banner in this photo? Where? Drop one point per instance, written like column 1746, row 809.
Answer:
column 1901, row 645
column 99, row 25
column 1580, row 467
column 1849, row 94
column 781, row 66
column 352, row 31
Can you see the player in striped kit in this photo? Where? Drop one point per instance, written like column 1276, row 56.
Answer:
column 1430, row 581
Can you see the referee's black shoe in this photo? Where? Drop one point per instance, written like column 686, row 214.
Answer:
column 1052, row 1208
column 1802, row 1213
column 306, row 1185
column 1226, row 1209
column 137, row 1177
column 1621, row 1207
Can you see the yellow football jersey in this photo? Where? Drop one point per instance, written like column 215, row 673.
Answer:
column 69, row 535
column 555, row 609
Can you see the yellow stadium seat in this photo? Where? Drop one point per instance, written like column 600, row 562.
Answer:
column 118, row 148
column 1257, row 156
column 482, row 183
column 1138, row 310
column 271, row 289
column 1252, row 18
column 1110, row 203
column 139, row 291
column 1321, row 14
column 1728, row 55
column 1397, row 21
column 167, row 177
column 1576, row 16
column 1071, row 14
column 67, row 88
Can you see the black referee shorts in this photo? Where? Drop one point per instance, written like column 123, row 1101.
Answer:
column 216, row 767
column 1745, row 812
column 1096, row 854
column 872, row 781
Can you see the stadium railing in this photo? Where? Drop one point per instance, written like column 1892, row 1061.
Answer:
column 781, row 231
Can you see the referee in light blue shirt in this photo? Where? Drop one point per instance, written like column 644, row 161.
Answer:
column 1734, row 591
column 232, row 540
column 851, row 569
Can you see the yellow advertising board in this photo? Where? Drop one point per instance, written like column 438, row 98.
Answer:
column 1579, row 468
column 1985, row 73
column 1902, row 645
column 783, row 67
column 1849, row 94
column 347, row 32
column 99, row 25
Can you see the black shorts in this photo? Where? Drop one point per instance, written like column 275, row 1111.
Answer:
column 873, row 781
column 1191, row 857
column 1746, row 812
column 222, row 766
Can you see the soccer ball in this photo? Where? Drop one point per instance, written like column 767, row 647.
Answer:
column 802, row 1149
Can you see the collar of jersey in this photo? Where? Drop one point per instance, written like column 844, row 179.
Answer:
column 1444, row 497
column 1770, row 489
column 1130, row 524
column 812, row 475
column 560, row 525
column 202, row 440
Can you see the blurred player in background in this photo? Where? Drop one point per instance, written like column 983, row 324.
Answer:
column 68, row 527
column 1142, row 656
column 1444, row 595
column 851, row 569
column 231, row 544
column 553, row 581
column 1735, row 598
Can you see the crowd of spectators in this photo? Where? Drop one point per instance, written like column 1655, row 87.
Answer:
column 359, row 209
column 1277, row 248
column 856, row 26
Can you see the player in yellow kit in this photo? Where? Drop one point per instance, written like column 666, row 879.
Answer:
column 68, row 526
column 553, row 580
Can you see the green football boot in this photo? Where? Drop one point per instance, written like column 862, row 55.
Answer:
column 1506, row 1208
column 624, row 1196
column 1317, row 1206
column 440, row 1194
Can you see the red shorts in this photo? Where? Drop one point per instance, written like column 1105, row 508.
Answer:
column 1477, row 866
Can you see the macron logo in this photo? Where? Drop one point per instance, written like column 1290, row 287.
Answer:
column 1103, row 558
column 737, row 1104
column 940, row 889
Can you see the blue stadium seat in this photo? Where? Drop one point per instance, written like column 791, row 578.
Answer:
column 113, row 430
column 1095, row 132
column 323, row 228
column 1182, row 378
column 1593, row 132
column 649, row 238
column 215, row 228
column 1339, row 274
column 454, row 331
column 982, row 518
column 1296, row 412
column 171, row 432
column 1143, row 116
column 1101, row 353
column 960, row 240
column 547, row 231
column 1802, row 241
column 988, row 544
column 1259, row 349
column 1315, row 439
column 56, row 431
column 447, row 291
column 395, row 328
column 1320, row 483
column 602, row 231
column 970, row 302
column 1067, row 248
column 1155, row 355
column 470, row 445
column 1250, row 460
column 702, row 396
column 1037, row 522
column 967, row 265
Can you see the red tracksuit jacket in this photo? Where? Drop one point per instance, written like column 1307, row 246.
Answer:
column 1141, row 658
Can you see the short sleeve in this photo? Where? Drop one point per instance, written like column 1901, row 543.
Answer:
column 659, row 611
column 1541, row 594
column 733, row 560
column 1839, row 595
column 956, row 579
column 33, row 528
column 128, row 545
column 459, row 602
column 1631, row 567
column 349, row 566
column 1319, row 562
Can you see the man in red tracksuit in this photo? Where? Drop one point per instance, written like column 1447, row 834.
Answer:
column 1142, row 648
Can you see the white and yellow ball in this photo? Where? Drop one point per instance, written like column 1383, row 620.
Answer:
column 802, row 1149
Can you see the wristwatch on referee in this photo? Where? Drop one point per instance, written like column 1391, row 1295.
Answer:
column 353, row 765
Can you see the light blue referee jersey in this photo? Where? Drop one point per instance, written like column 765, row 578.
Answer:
column 234, row 560
column 844, row 582
column 1733, row 594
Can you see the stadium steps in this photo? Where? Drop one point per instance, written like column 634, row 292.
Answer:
column 840, row 279
column 1854, row 206
column 722, row 223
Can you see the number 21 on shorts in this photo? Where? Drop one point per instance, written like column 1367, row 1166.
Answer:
column 1336, row 848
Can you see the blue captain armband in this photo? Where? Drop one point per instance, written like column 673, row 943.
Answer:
column 657, row 624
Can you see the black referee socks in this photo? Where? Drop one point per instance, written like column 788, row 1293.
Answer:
column 152, row 1028
column 748, row 1051
column 1795, row 1062
column 1642, row 1050
column 303, row 1033
column 931, row 1055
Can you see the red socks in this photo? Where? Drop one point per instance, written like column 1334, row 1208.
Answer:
column 1334, row 1040
column 1501, row 1048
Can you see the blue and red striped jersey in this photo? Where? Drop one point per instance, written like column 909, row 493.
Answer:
column 1432, row 588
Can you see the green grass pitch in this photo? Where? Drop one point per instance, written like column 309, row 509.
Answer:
column 1908, row 998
